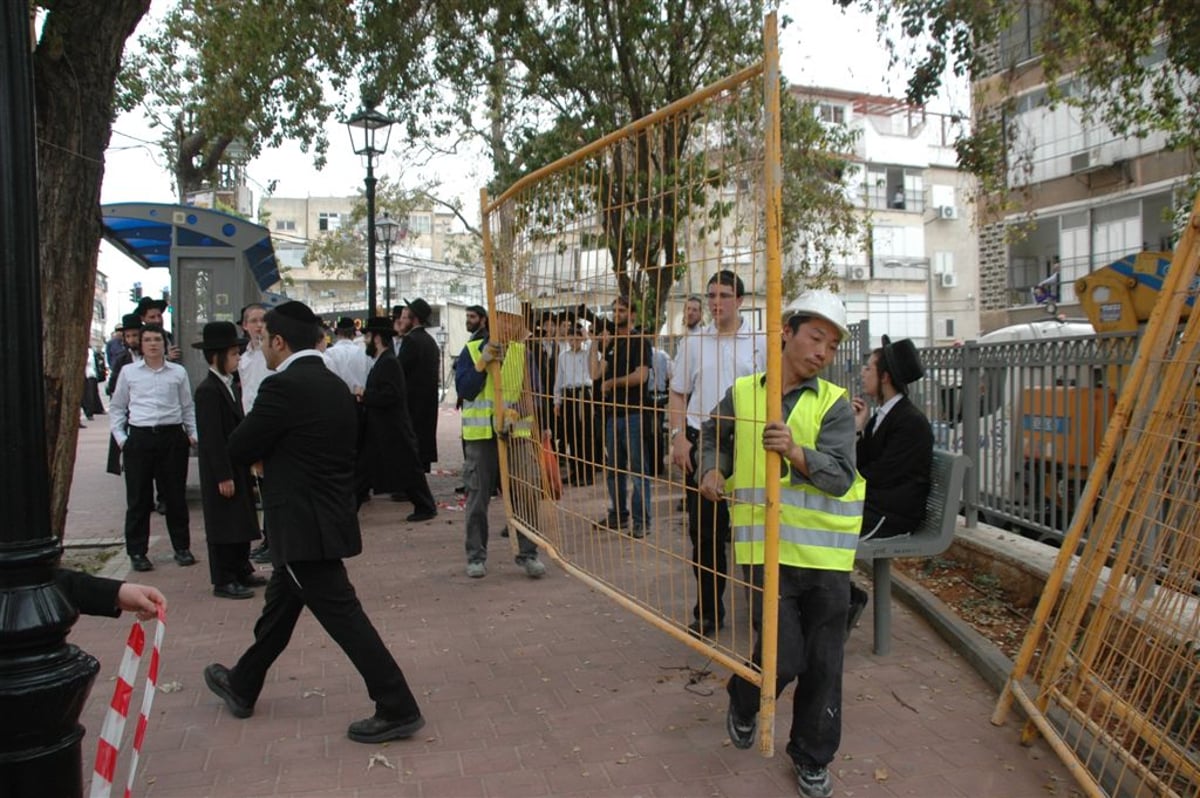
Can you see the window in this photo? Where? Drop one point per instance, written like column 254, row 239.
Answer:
column 949, row 328
column 327, row 222
column 286, row 224
column 1022, row 40
column 895, row 188
column 420, row 224
column 833, row 114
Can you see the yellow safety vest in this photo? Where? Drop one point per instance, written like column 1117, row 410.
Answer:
column 816, row 530
column 477, row 413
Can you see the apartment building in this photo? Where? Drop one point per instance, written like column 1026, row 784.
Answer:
column 1083, row 197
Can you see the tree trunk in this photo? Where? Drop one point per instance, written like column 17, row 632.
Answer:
column 75, row 70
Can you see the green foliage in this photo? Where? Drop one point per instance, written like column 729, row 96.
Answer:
column 1133, row 66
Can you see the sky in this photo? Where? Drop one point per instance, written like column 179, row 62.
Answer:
column 822, row 46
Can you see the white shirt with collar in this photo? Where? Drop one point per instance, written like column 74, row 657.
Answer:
column 572, row 370
column 226, row 380
column 349, row 361
column 294, row 356
column 707, row 363
column 252, row 370
column 149, row 397
column 884, row 408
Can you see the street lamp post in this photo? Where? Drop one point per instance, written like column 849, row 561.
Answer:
column 385, row 230
column 44, row 680
column 365, row 128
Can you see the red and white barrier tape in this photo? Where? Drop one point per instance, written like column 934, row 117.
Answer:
column 109, row 746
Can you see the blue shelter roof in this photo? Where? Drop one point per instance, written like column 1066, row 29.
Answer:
column 147, row 232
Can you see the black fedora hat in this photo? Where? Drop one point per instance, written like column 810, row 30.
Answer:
column 396, row 311
column 420, row 308
column 345, row 323
column 219, row 335
column 902, row 361
column 130, row 321
column 380, row 325
column 148, row 302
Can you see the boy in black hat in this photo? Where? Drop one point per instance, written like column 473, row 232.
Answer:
column 894, row 450
column 226, row 488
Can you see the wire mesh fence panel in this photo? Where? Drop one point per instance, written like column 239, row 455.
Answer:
column 632, row 277
column 1113, row 647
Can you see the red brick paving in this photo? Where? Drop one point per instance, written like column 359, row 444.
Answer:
column 530, row 688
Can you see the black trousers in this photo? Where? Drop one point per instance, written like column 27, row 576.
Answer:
column 155, row 455
column 229, row 562
column 324, row 587
column 708, row 528
column 580, row 433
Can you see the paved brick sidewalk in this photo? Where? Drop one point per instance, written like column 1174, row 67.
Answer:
column 530, row 688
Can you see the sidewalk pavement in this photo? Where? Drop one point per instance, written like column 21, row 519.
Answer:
column 530, row 688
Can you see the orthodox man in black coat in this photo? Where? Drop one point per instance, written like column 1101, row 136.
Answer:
column 389, row 460
column 230, row 519
column 302, row 429
column 421, row 360
column 894, row 451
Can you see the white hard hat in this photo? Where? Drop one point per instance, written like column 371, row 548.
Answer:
column 508, row 303
column 823, row 303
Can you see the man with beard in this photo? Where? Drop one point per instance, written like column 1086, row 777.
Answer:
column 420, row 358
column 388, row 458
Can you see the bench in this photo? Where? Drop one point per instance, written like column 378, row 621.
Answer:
column 934, row 536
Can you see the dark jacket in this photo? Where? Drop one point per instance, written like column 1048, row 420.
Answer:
column 113, row 463
column 389, row 444
column 895, row 460
column 302, row 428
column 421, row 361
column 232, row 520
column 91, row 595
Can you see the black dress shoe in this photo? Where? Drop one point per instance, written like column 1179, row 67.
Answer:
column 379, row 730
column 141, row 562
column 232, row 590
column 261, row 555
column 216, row 676
column 160, row 507
column 184, row 557
column 252, row 580
column 412, row 518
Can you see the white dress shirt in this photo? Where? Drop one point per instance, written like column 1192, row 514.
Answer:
column 349, row 361
column 572, row 370
column 707, row 363
column 252, row 370
column 148, row 397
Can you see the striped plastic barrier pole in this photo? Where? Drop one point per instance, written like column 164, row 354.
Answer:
column 109, row 746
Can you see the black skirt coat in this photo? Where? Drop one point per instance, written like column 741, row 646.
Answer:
column 232, row 520
column 390, row 452
column 421, row 360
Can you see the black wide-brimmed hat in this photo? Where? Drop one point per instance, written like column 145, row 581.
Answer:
column 345, row 323
column 220, row 335
column 147, row 302
column 396, row 311
column 130, row 321
column 380, row 325
column 902, row 361
column 297, row 311
column 420, row 308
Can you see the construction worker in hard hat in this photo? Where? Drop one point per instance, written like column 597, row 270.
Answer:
column 821, row 498
column 503, row 344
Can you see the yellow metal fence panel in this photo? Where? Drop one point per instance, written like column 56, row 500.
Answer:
column 1110, row 670
column 603, row 252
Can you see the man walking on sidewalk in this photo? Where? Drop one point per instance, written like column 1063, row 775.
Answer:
column 302, row 429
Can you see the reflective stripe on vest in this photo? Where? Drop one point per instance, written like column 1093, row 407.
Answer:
column 477, row 413
column 816, row 530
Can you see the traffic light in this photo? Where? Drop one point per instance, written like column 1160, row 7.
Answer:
column 135, row 293
column 166, row 295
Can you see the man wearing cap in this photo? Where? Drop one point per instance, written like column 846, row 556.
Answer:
column 346, row 358
column 421, row 360
column 226, row 494
column 474, row 376
column 153, row 420
column 388, row 459
column 894, row 451
column 302, row 429
column 821, row 496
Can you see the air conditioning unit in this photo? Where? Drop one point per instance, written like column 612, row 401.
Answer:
column 947, row 212
column 858, row 274
column 948, row 279
column 1087, row 161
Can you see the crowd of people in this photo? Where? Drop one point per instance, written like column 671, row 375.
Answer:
column 309, row 433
